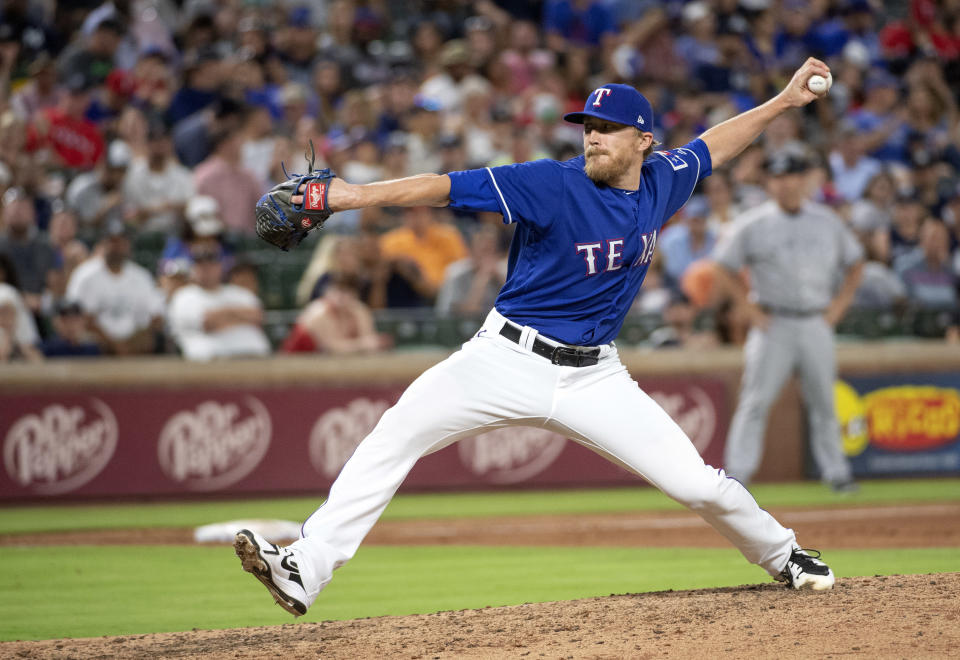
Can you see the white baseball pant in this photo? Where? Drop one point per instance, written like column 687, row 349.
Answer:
column 492, row 382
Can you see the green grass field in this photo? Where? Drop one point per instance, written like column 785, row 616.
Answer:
column 85, row 591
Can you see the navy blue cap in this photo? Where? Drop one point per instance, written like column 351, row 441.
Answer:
column 621, row 104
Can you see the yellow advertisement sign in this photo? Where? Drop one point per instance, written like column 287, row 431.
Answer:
column 903, row 418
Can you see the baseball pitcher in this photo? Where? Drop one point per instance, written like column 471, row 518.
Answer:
column 586, row 231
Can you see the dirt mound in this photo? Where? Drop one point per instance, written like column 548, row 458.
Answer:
column 913, row 616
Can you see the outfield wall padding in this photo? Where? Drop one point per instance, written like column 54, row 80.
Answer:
column 163, row 427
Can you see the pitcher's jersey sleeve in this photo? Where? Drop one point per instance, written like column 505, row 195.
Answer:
column 525, row 192
column 677, row 171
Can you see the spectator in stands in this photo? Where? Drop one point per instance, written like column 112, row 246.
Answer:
column 470, row 285
column 423, row 126
column 297, row 47
column 884, row 134
column 927, row 271
column 243, row 273
column 427, row 242
column 210, row 320
column 260, row 145
column 193, row 137
column 332, row 253
column 718, row 192
column 122, row 304
column 577, row 23
column 223, row 177
column 880, row 287
column 173, row 274
column 337, row 322
column 202, row 220
column 395, row 281
column 156, row 187
column 69, row 251
column 850, row 166
column 680, row 330
column 872, row 211
column 203, row 75
column 29, row 251
column 448, row 86
column 931, row 112
column 40, row 93
column 686, row 241
column 63, row 134
column 903, row 235
column 364, row 165
column 18, row 333
column 524, row 58
column 108, row 104
column 96, row 194
column 655, row 295
column 70, row 336
column 154, row 83
column 93, row 55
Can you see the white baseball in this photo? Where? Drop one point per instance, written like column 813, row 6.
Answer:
column 818, row 84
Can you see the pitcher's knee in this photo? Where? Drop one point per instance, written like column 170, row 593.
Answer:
column 707, row 493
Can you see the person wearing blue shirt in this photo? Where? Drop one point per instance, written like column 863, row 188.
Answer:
column 586, row 231
column 687, row 241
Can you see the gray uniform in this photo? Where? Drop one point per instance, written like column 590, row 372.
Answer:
column 795, row 264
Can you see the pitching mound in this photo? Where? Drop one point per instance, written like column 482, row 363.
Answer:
column 911, row 616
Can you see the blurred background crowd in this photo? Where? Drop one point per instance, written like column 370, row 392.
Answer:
column 137, row 135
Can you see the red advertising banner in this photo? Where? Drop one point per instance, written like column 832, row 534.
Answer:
column 156, row 442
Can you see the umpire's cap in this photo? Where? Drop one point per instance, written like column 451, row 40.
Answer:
column 621, row 104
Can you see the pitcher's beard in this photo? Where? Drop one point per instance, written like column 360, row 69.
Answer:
column 607, row 171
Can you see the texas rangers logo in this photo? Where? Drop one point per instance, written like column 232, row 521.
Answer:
column 315, row 193
column 600, row 92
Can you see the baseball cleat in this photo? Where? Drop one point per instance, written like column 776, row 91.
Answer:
column 805, row 571
column 275, row 567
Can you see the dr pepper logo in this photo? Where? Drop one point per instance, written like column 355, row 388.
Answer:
column 216, row 444
column 60, row 448
column 912, row 418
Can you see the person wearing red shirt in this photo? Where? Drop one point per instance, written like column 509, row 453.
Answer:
column 74, row 141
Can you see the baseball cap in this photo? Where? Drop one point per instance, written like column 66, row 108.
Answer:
column 121, row 83
column 787, row 162
column 78, row 82
column 115, row 227
column 68, row 308
column 618, row 103
column 880, row 78
column 119, row 154
column 203, row 214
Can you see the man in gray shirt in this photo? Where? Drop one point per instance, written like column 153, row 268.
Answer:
column 796, row 252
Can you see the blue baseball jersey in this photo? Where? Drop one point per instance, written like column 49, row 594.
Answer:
column 580, row 250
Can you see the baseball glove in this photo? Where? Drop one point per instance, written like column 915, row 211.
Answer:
column 285, row 224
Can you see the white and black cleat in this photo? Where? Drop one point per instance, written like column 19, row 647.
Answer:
column 275, row 567
column 804, row 570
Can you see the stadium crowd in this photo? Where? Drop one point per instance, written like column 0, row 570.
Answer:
column 133, row 123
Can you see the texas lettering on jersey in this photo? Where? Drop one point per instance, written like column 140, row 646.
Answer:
column 611, row 253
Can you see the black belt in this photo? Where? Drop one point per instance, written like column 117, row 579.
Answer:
column 793, row 313
column 563, row 355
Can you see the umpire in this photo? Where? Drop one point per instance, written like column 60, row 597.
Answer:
column 804, row 267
